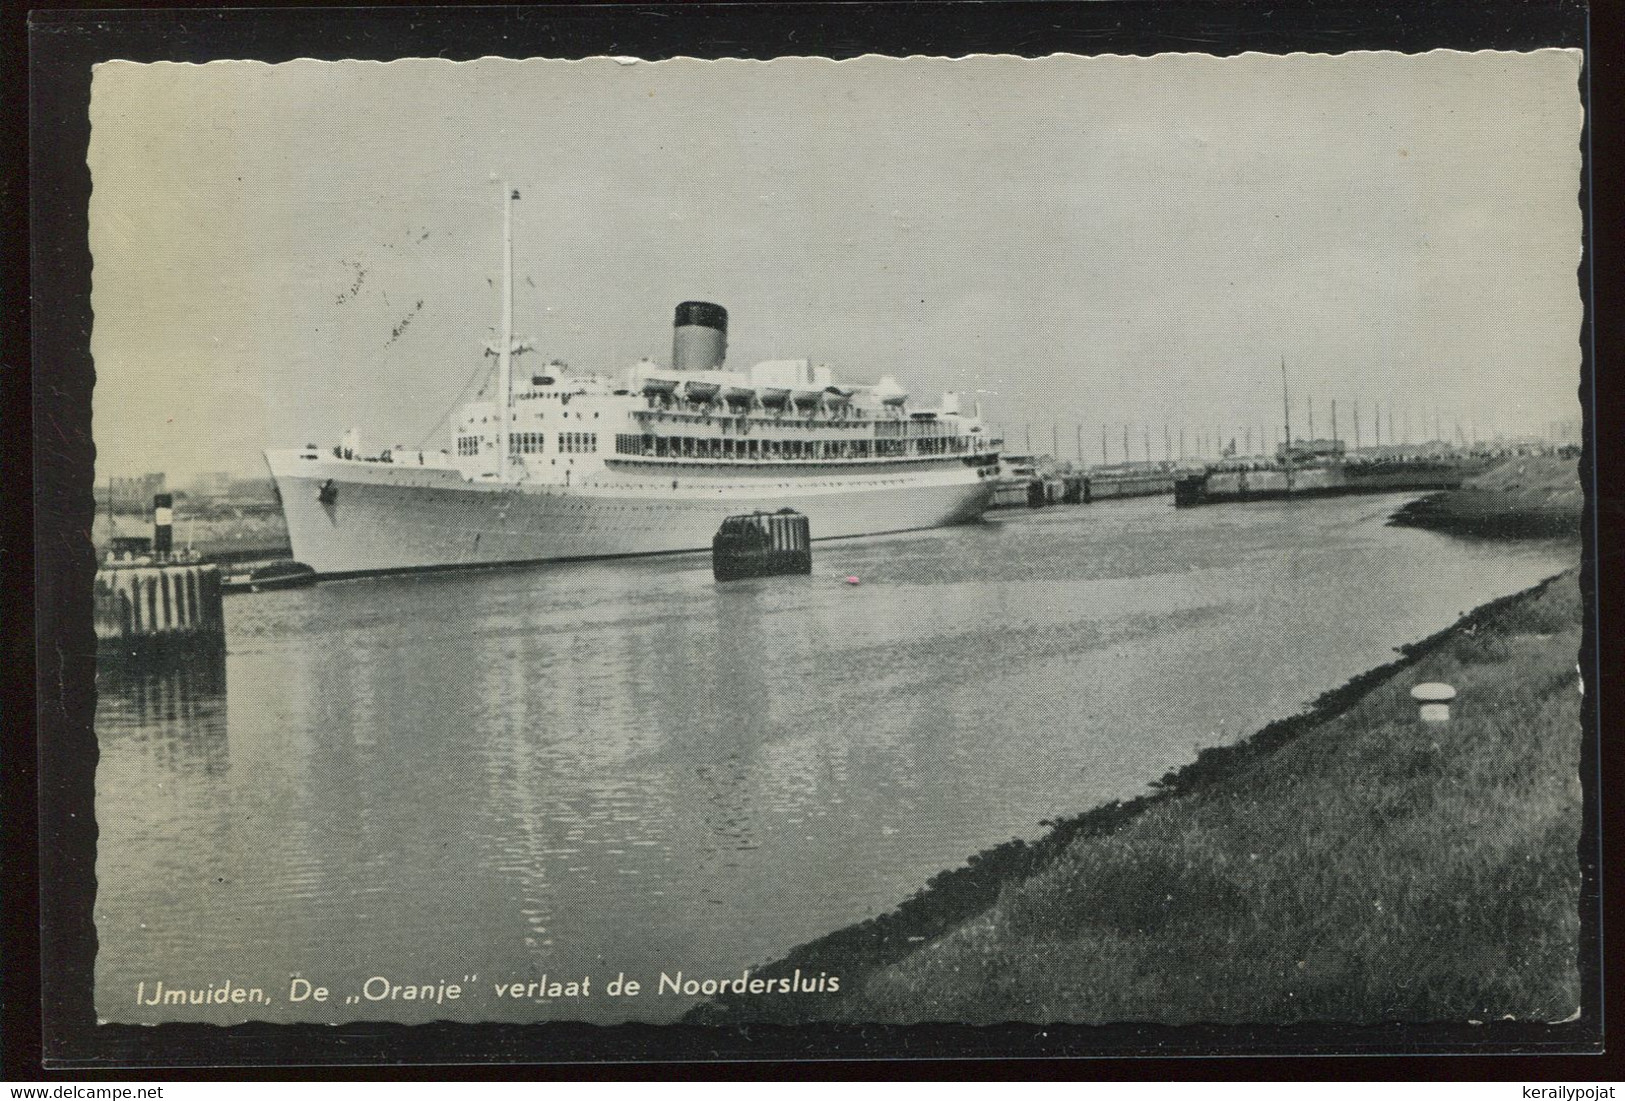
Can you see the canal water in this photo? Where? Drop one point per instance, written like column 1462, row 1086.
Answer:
column 583, row 771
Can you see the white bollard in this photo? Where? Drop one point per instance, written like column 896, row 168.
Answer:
column 1435, row 700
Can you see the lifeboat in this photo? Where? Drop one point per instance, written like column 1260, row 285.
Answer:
column 806, row 399
column 738, row 395
column 889, row 392
column 701, row 392
column 663, row 386
column 774, row 397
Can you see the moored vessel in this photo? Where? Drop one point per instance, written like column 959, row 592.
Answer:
column 1320, row 475
column 1016, row 482
column 563, row 464
column 1318, row 468
column 282, row 574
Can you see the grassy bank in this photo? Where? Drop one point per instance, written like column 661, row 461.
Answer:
column 1520, row 497
column 1345, row 864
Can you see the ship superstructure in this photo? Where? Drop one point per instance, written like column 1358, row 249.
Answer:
column 558, row 464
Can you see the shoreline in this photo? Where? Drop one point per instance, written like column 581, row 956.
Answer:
column 955, row 900
column 1529, row 497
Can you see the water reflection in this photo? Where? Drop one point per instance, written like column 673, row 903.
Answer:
column 174, row 710
column 627, row 767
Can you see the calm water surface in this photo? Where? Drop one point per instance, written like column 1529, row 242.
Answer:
column 623, row 767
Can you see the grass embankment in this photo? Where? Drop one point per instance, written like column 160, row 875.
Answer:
column 1528, row 496
column 1347, row 864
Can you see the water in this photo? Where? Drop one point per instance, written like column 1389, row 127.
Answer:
column 623, row 768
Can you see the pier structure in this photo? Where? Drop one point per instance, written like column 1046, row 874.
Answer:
column 157, row 606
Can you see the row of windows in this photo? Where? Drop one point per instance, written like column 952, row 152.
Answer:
column 743, row 423
column 688, row 447
column 867, row 483
column 532, row 443
column 914, row 429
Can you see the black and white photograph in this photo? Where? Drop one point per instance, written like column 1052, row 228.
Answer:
column 900, row 540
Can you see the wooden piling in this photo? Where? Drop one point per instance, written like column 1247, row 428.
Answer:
column 149, row 610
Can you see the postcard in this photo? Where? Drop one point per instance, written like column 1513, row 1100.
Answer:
column 906, row 540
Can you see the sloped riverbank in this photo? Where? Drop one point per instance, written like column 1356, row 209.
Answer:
column 1526, row 497
column 1348, row 863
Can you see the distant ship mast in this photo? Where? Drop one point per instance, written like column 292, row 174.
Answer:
column 505, row 349
column 1286, row 405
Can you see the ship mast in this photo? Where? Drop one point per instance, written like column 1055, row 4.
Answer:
column 1286, row 405
column 505, row 349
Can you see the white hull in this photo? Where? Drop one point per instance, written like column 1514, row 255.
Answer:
column 387, row 517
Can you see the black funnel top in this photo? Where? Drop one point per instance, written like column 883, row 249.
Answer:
column 709, row 314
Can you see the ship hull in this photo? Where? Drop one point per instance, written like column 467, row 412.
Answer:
column 349, row 518
column 1101, row 487
column 1219, row 486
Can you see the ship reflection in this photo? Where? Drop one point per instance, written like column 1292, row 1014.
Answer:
column 176, row 711
column 741, row 698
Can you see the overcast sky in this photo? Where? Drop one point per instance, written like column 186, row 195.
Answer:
column 1082, row 240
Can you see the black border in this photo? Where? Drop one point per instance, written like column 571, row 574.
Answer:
column 64, row 44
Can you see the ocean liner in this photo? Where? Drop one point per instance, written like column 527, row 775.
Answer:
column 559, row 464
